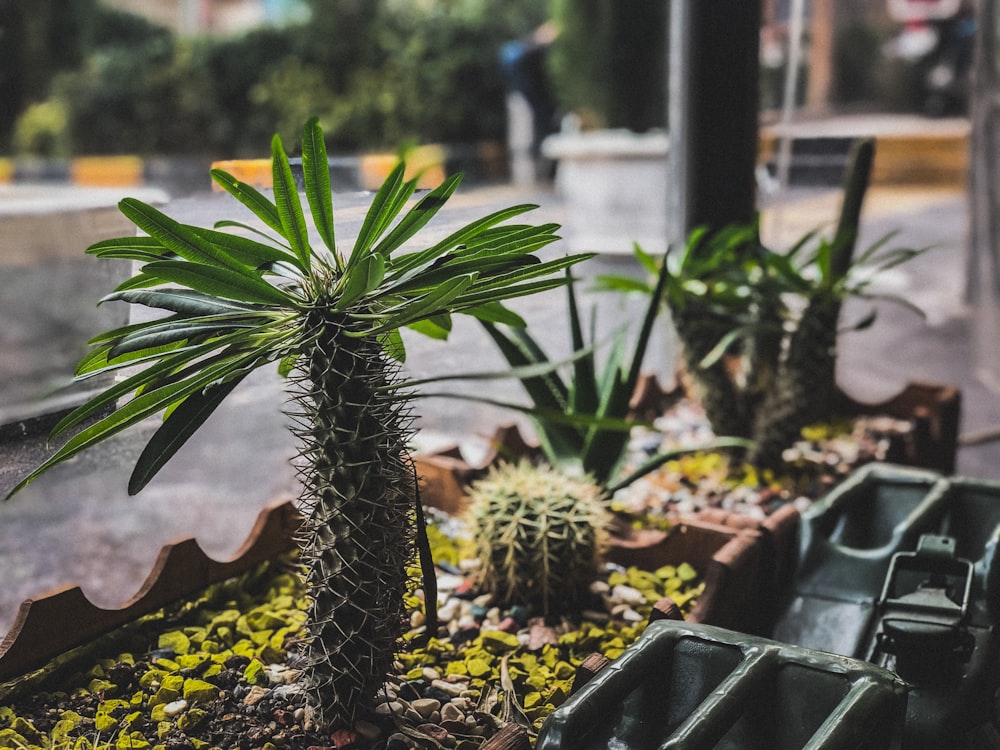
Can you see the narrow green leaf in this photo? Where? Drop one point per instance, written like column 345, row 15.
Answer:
column 392, row 344
column 250, row 197
column 420, row 280
column 585, row 398
column 98, row 362
column 175, row 236
column 182, row 423
column 139, row 248
column 537, row 369
column 316, row 173
column 173, row 362
column 135, row 411
column 218, row 281
column 379, row 214
column 286, row 198
column 287, row 365
column 622, row 284
column 438, row 327
column 546, row 389
column 246, row 251
column 525, row 273
column 495, row 312
column 431, row 304
column 418, row 216
column 182, row 301
column 652, row 310
column 177, row 332
column 646, row 260
column 725, row 343
column 473, row 229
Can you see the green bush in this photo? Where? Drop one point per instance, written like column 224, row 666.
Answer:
column 43, row 130
column 377, row 72
column 608, row 63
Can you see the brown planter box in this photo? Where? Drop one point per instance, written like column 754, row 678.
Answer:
column 744, row 563
column 40, row 631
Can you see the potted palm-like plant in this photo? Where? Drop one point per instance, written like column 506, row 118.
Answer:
column 331, row 320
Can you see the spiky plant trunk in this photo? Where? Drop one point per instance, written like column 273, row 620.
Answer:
column 357, row 499
column 806, row 384
column 724, row 407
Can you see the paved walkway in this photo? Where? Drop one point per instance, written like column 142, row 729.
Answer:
column 76, row 524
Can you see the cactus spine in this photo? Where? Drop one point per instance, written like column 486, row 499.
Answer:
column 539, row 535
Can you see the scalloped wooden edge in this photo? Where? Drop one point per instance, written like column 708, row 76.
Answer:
column 743, row 564
column 64, row 618
column 932, row 410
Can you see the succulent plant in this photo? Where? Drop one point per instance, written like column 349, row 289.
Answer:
column 758, row 328
column 539, row 535
column 331, row 319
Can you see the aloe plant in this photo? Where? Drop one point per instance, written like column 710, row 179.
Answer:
column 331, row 319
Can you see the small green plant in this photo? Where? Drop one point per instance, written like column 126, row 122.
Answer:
column 539, row 535
column 582, row 417
column 331, row 319
column 758, row 329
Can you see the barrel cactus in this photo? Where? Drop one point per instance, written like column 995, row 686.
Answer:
column 539, row 535
column 331, row 319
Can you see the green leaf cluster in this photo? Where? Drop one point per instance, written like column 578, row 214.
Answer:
column 237, row 297
column 581, row 406
column 758, row 327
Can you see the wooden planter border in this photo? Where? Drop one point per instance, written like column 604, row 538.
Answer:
column 64, row 618
column 744, row 563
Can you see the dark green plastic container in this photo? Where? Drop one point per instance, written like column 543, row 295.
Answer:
column 698, row 687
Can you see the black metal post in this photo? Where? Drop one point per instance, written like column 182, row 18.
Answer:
column 713, row 103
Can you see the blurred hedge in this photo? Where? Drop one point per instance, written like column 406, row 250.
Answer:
column 378, row 73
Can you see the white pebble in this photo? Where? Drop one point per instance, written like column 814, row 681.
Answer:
column 599, row 587
column 417, row 618
column 466, row 622
column 430, row 674
column 287, row 691
column 630, row 615
column 483, row 600
column 446, row 582
column 453, row 689
column 628, row 595
column 449, row 610
column 175, row 708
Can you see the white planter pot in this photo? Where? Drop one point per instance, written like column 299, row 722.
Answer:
column 614, row 184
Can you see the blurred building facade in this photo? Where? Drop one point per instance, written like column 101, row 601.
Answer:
column 213, row 17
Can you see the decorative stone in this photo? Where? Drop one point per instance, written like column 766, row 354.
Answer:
column 430, row 674
column 454, row 689
column 451, row 712
column 174, row 708
column 435, row 731
column 389, row 709
column 426, row 707
column 628, row 595
column 200, row 691
column 255, row 695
